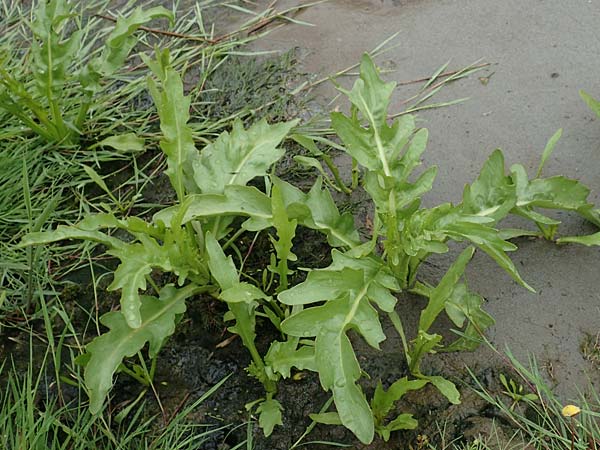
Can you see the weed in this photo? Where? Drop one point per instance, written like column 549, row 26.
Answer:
column 31, row 416
column 100, row 127
column 515, row 391
column 216, row 205
column 548, row 423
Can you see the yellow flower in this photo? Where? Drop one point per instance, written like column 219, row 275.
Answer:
column 571, row 410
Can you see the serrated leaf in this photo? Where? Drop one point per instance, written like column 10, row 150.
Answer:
column 269, row 415
column 173, row 109
column 245, row 322
column 137, row 262
column 237, row 157
column 282, row 356
column 108, row 350
column 286, row 230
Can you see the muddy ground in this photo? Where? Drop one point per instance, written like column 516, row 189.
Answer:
column 541, row 52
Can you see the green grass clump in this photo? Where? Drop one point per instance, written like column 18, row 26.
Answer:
column 545, row 423
column 32, row 416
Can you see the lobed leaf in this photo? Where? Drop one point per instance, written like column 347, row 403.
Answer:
column 465, row 305
column 402, row 422
column 493, row 193
column 346, row 289
column 383, row 400
column 269, row 415
column 63, row 232
column 108, row 350
column 236, row 158
column 282, row 356
column 137, row 262
column 236, row 201
column 173, row 109
column 370, row 94
column 324, row 216
column 121, row 41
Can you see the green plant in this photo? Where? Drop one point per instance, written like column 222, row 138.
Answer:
column 592, row 239
column 42, row 184
column 215, row 206
column 548, row 423
column 32, row 417
column 38, row 102
column 515, row 391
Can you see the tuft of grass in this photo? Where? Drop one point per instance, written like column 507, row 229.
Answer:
column 542, row 422
column 32, row 417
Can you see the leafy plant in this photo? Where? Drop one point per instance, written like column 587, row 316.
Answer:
column 215, row 205
column 360, row 279
column 515, row 391
column 38, row 102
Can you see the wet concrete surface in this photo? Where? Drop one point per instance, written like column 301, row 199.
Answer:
column 542, row 53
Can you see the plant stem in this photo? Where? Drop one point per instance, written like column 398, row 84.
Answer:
column 233, row 238
column 400, row 329
column 336, row 174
